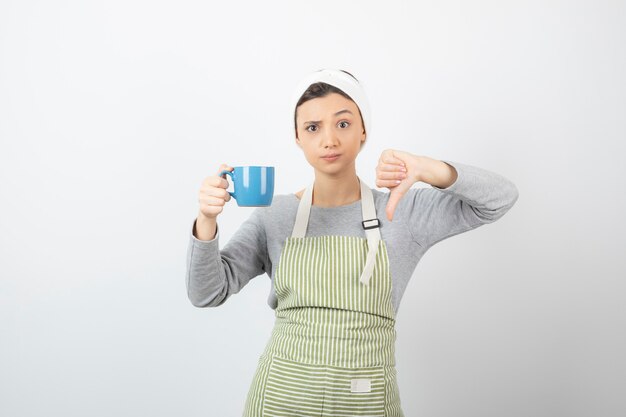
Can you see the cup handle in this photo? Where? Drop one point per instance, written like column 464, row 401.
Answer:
column 231, row 175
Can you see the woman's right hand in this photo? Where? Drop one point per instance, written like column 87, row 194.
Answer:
column 213, row 194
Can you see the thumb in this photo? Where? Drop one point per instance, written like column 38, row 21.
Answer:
column 394, row 197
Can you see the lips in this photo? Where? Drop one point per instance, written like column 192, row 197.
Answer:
column 331, row 155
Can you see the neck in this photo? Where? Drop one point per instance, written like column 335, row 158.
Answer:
column 336, row 190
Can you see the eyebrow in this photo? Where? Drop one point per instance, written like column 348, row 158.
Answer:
column 336, row 114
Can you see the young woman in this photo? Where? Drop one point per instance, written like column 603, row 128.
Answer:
column 338, row 266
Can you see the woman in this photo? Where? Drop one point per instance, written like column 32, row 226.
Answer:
column 338, row 268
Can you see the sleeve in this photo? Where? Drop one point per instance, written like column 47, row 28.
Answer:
column 477, row 197
column 213, row 275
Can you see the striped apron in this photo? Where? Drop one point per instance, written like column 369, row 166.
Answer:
column 332, row 348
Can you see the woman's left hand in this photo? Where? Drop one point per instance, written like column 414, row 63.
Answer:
column 398, row 171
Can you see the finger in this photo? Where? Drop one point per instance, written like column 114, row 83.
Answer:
column 215, row 181
column 392, row 167
column 387, row 183
column 394, row 198
column 213, row 201
column 205, row 195
column 225, row 167
column 217, row 192
column 390, row 158
column 386, row 175
column 395, row 162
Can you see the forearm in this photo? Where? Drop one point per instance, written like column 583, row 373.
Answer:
column 488, row 195
column 205, row 227
column 434, row 172
column 213, row 275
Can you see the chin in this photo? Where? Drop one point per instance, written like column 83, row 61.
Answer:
column 332, row 170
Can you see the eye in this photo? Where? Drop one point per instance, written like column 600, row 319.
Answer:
column 307, row 128
column 346, row 122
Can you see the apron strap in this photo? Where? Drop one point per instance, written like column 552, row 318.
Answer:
column 372, row 230
column 302, row 218
column 370, row 223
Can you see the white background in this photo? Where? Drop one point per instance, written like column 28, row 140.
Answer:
column 113, row 112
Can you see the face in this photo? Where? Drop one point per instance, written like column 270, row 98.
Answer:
column 330, row 125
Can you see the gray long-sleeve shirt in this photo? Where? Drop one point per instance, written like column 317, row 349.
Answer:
column 423, row 217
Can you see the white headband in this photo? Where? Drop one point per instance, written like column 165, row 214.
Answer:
column 345, row 83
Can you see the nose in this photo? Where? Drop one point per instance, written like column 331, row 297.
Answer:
column 329, row 138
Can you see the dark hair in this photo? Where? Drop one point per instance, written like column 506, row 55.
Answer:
column 321, row 89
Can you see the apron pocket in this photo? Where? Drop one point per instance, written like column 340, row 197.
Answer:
column 295, row 388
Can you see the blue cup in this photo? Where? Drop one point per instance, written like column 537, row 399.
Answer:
column 253, row 185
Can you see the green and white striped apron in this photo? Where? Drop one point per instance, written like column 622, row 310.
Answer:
column 332, row 348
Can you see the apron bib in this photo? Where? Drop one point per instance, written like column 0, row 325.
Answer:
column 332, row 348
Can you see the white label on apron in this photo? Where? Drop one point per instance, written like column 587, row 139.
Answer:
column 361, row 385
